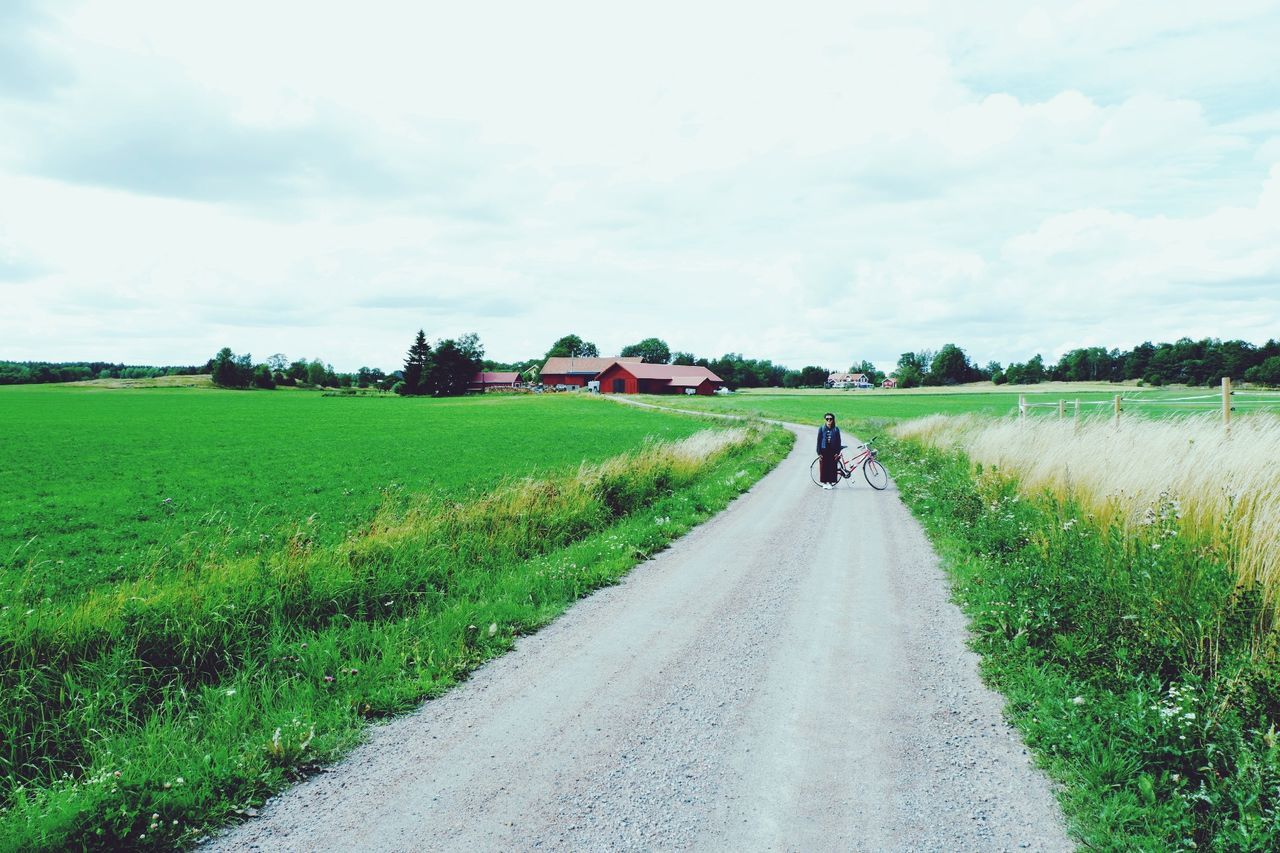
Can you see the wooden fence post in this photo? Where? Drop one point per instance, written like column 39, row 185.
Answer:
column 1062, row 409
column 1077, row 415
column 1022, row 408
column 1118, row 410
column 1226, row 402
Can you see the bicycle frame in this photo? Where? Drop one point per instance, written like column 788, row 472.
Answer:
column 864, row 457
column 846, row 467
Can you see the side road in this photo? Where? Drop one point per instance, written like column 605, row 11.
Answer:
column 789, row 676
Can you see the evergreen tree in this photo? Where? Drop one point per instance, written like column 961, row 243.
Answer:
column 417, row 367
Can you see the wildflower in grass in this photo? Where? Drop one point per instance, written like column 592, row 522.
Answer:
column 231, row 691
column 328, row 679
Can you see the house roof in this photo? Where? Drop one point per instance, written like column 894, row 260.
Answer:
column 847, row 377
column 559, row 365
column 676, row 374
column 487, row 377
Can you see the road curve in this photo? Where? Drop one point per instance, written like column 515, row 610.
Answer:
column 791, row 675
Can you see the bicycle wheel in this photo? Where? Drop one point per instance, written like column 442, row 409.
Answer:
column 815, row 471
column 877, row 477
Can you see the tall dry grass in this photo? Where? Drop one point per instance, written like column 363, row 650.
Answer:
column 1224, row 485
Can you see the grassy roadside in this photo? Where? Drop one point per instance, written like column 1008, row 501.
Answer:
column 1131, row 660
column 148, row 712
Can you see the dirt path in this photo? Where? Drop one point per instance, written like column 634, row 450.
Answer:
column 789, row 676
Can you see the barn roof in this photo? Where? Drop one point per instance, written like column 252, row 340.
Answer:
column 488, row 377
column 676, row 374
column 559, row 365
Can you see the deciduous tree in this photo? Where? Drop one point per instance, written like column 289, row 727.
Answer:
column 650, row 350
column 455, row 363
column 572, row 346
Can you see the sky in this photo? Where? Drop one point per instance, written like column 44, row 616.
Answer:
column 810, row 182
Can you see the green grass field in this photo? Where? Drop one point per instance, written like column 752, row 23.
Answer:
column 99, row 486
column 1096, row 400
column 207, row 594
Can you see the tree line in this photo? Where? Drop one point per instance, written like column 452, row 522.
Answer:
column 1183, row 362
column 447, row 367
column 443, row 370
column 39, row 372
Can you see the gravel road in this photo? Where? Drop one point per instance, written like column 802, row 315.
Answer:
column 789, row 676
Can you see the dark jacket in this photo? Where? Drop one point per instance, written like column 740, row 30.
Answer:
column 833, row 446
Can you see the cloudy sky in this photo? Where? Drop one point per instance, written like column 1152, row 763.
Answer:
column 809, row 182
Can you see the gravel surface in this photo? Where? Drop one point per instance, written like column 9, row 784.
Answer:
column 789, row 676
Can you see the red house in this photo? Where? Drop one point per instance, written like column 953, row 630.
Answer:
column 627, row 377
column 577, row 371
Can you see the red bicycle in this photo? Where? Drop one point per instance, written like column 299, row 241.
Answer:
column 877, row 477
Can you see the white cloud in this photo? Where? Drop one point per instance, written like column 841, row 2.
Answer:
column 824, row 184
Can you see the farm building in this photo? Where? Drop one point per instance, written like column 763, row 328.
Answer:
column 849, row 380
column 889, row 383
column 485, row 380
column 628, row 377
column 578, row 371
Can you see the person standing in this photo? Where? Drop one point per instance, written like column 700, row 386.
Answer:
column 829, row 445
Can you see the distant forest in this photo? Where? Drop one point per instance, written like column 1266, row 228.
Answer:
column 1183, row 362
column 32, row 372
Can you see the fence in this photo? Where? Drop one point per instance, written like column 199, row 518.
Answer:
column 1228, row 399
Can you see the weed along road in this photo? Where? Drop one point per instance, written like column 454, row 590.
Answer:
column 789, row 676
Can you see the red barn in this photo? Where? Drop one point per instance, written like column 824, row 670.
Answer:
column 489, row 379
column 624, row 377
column 577, row 371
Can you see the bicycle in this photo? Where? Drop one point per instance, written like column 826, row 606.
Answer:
column 872, row 470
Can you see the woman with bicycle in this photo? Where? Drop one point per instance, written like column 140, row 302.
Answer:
column 829, row 446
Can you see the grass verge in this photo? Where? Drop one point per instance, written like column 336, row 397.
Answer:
column 1129, row 655
column 141, row 715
